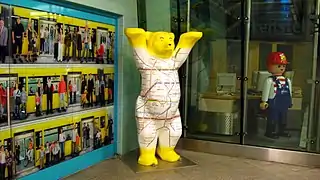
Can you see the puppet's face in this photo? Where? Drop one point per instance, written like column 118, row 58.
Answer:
column 277, row 69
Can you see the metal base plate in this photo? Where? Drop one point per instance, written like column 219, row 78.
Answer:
column 131, row 160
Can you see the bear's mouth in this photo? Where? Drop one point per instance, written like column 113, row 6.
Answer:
column 168, row 48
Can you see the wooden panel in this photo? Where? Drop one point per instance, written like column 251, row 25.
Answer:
column 217, row 105
column 274, row 47
column 219, row 60
column 302, row 64
column 253, row 64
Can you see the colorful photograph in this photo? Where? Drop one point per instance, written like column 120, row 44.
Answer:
column 53, row 108
column 47, row 38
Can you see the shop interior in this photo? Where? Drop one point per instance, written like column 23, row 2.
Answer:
column 220, row 100
column 219, row 76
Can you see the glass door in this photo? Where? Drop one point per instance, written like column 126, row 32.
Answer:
column 4, row 118
column 74, row 86
column 8, row 83
column 282, row 63
column 314, row 133
column 88, row 129
column 214, row 71
column 24, row 144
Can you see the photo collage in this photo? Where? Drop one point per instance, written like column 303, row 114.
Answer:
column 56, row 88
column 41, row 37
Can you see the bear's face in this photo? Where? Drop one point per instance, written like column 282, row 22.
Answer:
column 160, row 44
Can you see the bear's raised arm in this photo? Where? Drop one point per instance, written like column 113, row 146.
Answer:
column 186, row 42
column 189, row 39
column 137, row 37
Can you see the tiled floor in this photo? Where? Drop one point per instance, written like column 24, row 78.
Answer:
column 210, row 167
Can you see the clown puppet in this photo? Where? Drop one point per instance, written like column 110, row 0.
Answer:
column 276, row 96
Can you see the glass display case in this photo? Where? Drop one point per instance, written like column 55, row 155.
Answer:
column 224, row 78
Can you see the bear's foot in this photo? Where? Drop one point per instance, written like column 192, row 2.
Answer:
column 168, row 154
column 147, row 157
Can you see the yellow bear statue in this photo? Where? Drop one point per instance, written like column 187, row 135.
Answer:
column 157, row 114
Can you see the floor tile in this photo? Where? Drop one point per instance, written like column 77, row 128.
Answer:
column 210, row 167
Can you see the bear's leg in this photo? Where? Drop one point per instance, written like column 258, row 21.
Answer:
column 169, row 136
column 147, row 137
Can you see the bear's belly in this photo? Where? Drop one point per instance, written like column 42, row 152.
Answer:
column 160, row 94
column 158, row 110
column 161, row 86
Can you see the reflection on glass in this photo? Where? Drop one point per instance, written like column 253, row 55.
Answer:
column 215, row 63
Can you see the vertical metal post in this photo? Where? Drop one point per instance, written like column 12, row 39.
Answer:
column 306, row 23
column 188, row 15
column 314, row 76
column 186, row 96
column 245, row 21
column 10, row 25
column 8, row 83
column 178, row 18
column 8, row 104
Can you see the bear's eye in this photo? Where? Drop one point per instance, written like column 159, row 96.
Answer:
column 161, row 38
column 170, row 38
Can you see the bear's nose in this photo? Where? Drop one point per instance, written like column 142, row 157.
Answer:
column 169, row 44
